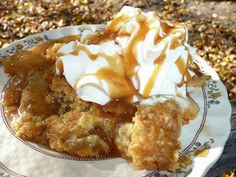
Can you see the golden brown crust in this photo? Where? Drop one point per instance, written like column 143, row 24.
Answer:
column 153, row 141
column 29, row 127
column 79, row 133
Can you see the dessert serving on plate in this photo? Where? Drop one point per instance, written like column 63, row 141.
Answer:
column 121, row 91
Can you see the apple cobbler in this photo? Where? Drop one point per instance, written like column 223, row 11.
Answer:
column 115, row 92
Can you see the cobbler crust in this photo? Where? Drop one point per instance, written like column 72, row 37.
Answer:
column 151, row 140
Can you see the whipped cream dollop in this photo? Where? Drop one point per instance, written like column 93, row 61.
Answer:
column 138, row 57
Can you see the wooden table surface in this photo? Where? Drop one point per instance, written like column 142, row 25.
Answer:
column 227, row 160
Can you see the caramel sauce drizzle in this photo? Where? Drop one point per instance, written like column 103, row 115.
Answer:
column 42, row 49
column 59, row 66
column 151, row 81
column 113, row 60
column 101, row 36
column 84, row 49
column 161, row 58
column 189, row 61
column 117, row 82
column 67, row 39
column 176, row 42
column 159, row 62
column 130, row 52
column 182, row 67
column 165, row 27
column 116, row 22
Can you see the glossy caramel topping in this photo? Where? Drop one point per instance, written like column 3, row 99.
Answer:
column 157, row 37
column 84, row 49
column 151, row 81
column 180, row 65
column 112, row 60
column 42, row 49
column 32, row 73
column 13, row 90
column 129, row 54
column 116, row 22
column 119, row 85
column 161, row 58
column 101, row 36
column 189, row 62
column 24, row 62
column 59, row 66
column 159, row 62
column 34, row 97
column 177, row 41
column 67, row 39
column 182, row 69
column 130, row 58
column 121, row 109
column 165, row 27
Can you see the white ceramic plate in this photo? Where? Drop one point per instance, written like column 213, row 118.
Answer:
column 202, row 140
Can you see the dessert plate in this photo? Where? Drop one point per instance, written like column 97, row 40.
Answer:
column 202, row 140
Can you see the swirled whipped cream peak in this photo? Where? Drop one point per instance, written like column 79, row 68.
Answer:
column 136, row 57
